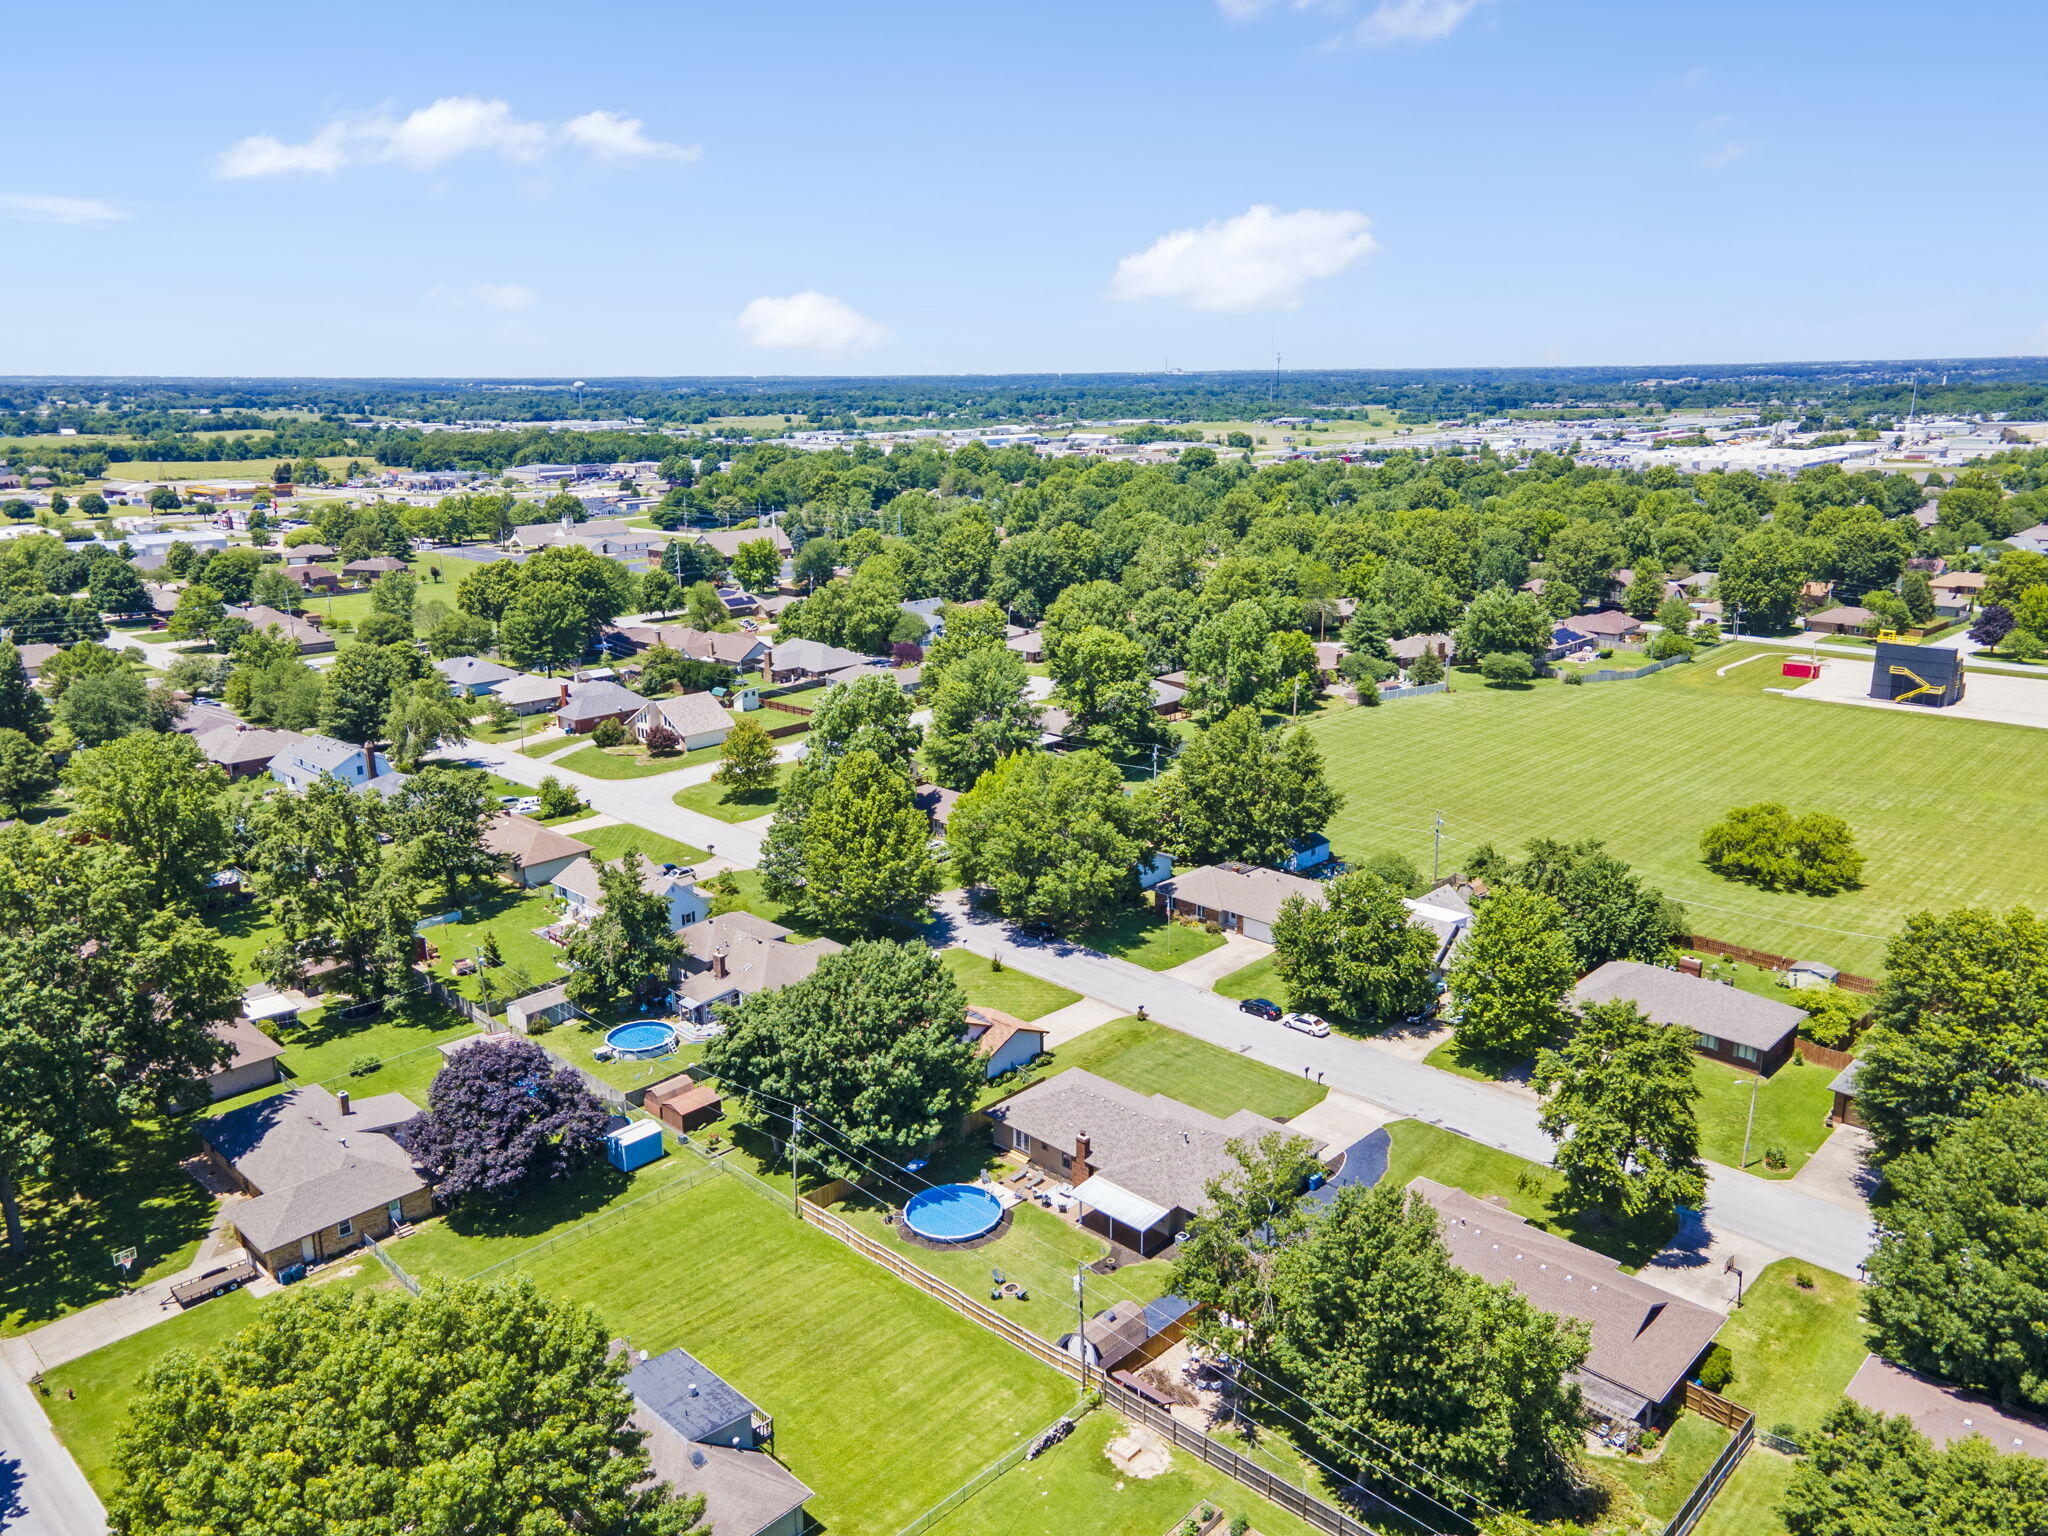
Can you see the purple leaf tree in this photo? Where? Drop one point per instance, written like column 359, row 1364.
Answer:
column 1993, row 624
column 501, row 1115
column 906, row 653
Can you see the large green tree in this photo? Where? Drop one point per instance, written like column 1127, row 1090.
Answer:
column 1760, row 577
column 1241, row 791
column 424, row 716
column 1610, row 912
column 1054, row 839
column 105, row 706
column 437, row 822
column 21, row 707
column 316, row 862
column 1510, row 977
column 359, row 687
column 1869, row 1475
column 1501, row 622
column 1104, row 683
column 28, row 771
column 1619, row 1100
column 1960, row 1022
column 1959, row 1281
column 871, row 1046
column 157, row 796
column 1357, row 952
column 866, row 856
column 623, row 954
column 979, row 715
column 472, row 1409
column 107, row 1011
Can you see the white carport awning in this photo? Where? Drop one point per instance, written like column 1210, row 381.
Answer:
column 1119, row 1204
column 276, row 1005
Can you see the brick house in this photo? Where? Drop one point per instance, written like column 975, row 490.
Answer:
column 1728, row 1024
column 323, row 1173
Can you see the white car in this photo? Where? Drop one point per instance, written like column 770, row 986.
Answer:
column 1307, row 1023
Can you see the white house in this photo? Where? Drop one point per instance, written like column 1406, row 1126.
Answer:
column 577, row 887
column 322, row 757
column 1003, row 1041
column 698, row 720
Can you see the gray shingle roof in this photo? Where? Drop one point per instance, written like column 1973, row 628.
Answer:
column 1248, row 890
column 313, row 1165
column 686, row 1394
column 1692, row 1002
column 473, row 671
column 595, row 700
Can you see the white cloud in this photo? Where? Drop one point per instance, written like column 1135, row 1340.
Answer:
column 1734, row 150
column 1390, row 21
column 1261, row 259
column 611, row 136
column 811, row 320
column 502, row 296
column 1411, row 21
column 50, row 208
column 439, row 132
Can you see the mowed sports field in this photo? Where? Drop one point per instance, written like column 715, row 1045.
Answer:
column 1948, row 812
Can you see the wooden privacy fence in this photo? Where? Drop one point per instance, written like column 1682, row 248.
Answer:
column 1767, row 960
column 1296, row 1500
column 1711, row 1405
column 1702, row 1496
column 1821, row 1055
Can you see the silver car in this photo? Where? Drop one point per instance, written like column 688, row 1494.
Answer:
column 1307, row 1023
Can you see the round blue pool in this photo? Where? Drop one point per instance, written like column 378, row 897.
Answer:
column 953, row 1213
column 645, row 1039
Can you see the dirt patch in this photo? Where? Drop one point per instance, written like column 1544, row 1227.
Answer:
column 1139, row 1453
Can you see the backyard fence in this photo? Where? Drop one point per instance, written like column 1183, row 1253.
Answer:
column 397, row 1271
column 1296, row 1500
column 471, row 1010
column 1702, row 1496
column 1821, row 1055
column 1619, row 674
column 1414, row 690
column 985, row 1476
column 1767, row 960
column 1711, row 1405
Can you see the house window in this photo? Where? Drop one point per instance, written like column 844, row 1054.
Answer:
column 1709, row 1042
column 1020, row 1141
column 1748, row 1053
column 344, row 1228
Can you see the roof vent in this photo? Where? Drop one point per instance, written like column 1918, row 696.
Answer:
column 696, row 1458
column 693, row 1389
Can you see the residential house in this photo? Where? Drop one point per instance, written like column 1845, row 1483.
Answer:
column 727, row 541
column 1567, row 642
column 36, row 657
column 305, row 632
column 1609, row 627
column 728, row 958
column 1730, row 1025
column 200, row 717
column 377, row 565
column 578, row 888
column 741, row 651
column 473, row 677
column 312, row 578
column 244, row 750
column 534, row 854
column 1030, row 645
column 1957, row 592
column 1845, row 620
column 2034, row 538
column 1168, row 699
column 1246, row 899
column 306, row 554
column 584, row 706
column 1139, row 1163
column 254, row 1064
column 297, row 765
column 926, row 610
column 1003, row 1041
column 697, row 719
column 793, row 660
column 324, row 1173
column 527, row 694
column 1409, row 649
column 1815, row 594
column 1946, row 1414
column 704, row 1438
column 937, row 802
column 1644, row 1340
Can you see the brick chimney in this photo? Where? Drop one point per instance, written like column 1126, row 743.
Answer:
column 718, row 962
column 341, row 1098
column 1082, row 1147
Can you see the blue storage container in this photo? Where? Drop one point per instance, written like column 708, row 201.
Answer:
column 636, row 1145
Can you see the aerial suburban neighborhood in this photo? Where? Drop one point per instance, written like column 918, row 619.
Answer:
column 723, row 915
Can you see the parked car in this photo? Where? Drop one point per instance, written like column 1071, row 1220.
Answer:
column 1307, row 1023
column 1260, row 1008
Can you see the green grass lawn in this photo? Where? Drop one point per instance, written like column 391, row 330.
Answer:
column 1795, row 1348
column 548, row 746
column 1747, row 1504
column 1075, row 1490
column 1024, row 997
column 105, row 1380
column 1791, row 1114
column 1528, row 1189
column 1145, row 1055
column 1138, row 934
column 1259, row 979
column 846, row 1357
column 136, row 1196
column 1644, row 765
column 717, row 800
column 577, row 1041
column 1662, row 1482
column 631, row 763
column 611, row 843
column 324, row 1049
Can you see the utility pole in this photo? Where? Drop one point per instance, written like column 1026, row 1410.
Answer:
column 1436, row 848
column 796, row 1125
column 1080, row 1322
column 1750, row 1125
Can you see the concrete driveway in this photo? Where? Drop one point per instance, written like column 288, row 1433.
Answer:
column 1233, row 954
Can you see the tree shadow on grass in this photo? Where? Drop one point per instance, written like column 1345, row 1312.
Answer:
column 539, row 1210
column 1630, row 1242
column 136, row 1197
column 418, row 1011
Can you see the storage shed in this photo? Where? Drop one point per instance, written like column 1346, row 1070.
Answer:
column 635, row 1146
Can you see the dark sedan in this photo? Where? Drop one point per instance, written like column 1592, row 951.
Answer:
column 1260, row 1007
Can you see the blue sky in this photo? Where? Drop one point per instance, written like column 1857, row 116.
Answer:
column 671, row 188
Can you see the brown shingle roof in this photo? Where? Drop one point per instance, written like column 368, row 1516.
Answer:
column 526, row 842
column 1944, row 1413
column 1248, row 890
column 314, row 1165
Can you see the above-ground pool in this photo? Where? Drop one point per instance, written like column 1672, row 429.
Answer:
column 953, row 1213
column 648, row 1038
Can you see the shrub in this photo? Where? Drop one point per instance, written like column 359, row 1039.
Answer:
column 1503, row 668
column 363, row 1066
column 662, row 740
column 558, row 799
column 1239, row 1524
column 1717, row 1368
column 1648, row 1441
column 1575, row 679
column 1774, row 1157
column 609, row 733
column 1666, row 646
